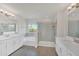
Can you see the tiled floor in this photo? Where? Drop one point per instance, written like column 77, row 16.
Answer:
column 31, row 51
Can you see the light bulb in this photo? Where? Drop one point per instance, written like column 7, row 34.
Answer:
column 69, row 8
column 1, row 10
column 6, row 12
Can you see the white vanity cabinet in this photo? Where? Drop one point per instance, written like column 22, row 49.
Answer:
column 10, row 44
column 4, row 48
column 14, row 43
column 66, row 48
column 64, row 51
column 31, row 39
column 18, row 42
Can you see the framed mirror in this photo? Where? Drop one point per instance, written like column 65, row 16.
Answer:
column 73, row 24
column 7, row 28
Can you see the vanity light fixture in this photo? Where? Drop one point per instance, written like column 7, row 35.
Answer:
column 6, row 13
column 77, row 5
column 71, row 6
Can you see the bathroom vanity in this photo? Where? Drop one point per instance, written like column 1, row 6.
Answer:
column 67, row 41
column 31, row 39
column 9, row 44
column 67, row 47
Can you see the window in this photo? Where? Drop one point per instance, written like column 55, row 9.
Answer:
column 32, row 27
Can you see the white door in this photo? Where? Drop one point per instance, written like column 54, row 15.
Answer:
column 46, row 32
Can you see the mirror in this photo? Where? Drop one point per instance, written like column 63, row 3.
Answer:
column 7, row 28
column 73, row 24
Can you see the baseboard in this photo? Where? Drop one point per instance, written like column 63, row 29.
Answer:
column 41, row 43
column 30, row 43
column 46, row 44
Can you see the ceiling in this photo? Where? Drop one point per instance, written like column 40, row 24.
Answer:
column 36, row 10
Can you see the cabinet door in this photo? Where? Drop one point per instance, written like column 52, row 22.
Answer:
column 17, row 42
column 4, row 48
column 58, row 49
column 64, row 51
column 21, row 40
column 70, row 53
column 10, row 46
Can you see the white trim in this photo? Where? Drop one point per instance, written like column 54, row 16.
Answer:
column 46, row 44
column 30, row 43
column 41, row 43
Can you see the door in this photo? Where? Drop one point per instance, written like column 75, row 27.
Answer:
column 46, row 32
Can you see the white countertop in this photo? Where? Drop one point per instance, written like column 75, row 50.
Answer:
column 71, row 46
column 4, row 37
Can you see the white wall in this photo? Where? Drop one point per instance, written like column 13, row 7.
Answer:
column 62, row 25
column 21, row 26
column 4, row 19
